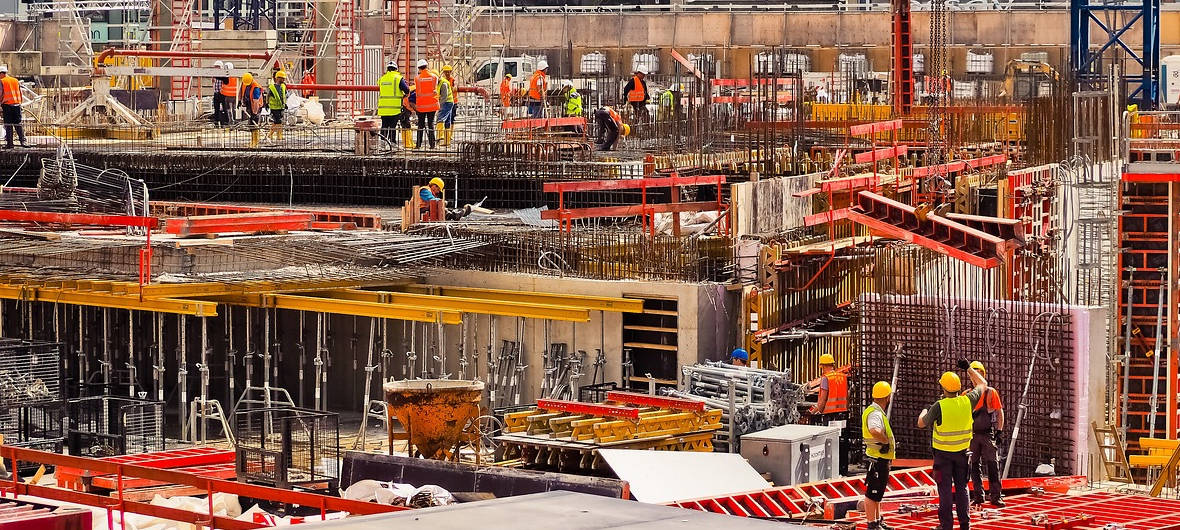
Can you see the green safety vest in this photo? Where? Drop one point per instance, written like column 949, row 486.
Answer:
column 872, row 446
column 666, row 99
column 389, row 94
column 450, row 98
column 573, row 105
column 277, row 99
column 953, row 432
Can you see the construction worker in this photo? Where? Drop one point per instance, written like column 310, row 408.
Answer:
column 229, row 91
column 250, row 97
column 538, row 86
column 636, row 90
column 667, row 102
column 276, row 102
column 506, row 96
column 610, row 127
column 952, row 422
column 880, row 450
column 10, row 103
column 391, row 88
column 426, row 95
column 409, row 108
column 431, row 192
column 987, row 420
column 573, row 100
column 831, row 403
column 739, row 357
column 218, row 97
column 447, row 105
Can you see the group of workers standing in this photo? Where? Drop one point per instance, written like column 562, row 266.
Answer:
column 964, row 427
column 431, row 96
column 229, row 94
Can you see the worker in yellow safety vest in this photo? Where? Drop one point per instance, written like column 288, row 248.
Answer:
column 880, row 450
column 952, row 421
column 831, row 404
column 391, row 88
column 447, row 104
column 276, row 103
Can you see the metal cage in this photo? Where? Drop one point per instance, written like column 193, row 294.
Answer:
column 288, row 447
column 115, row 425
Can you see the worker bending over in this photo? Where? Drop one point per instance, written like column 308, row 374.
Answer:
column 739, row 357
column 276, row 102
column 880, row 450
column 426, row 95
column 430, row 193
column 538, row 86
column 952, row 422
column 988, row 419
column 10, row 103
column 391, row 90
column 448, row 105
column 636, row 90
column 831, row 404
column 610, row 126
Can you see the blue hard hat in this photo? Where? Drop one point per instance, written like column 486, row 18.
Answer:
column 739, row 353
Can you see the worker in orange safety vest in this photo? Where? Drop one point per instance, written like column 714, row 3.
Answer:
column 831, row 404
column 11, row 108
column 538, row 87
column 636, row 90
column 426, row 96
column 506, row 96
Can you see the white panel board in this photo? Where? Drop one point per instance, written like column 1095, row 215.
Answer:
column 660, row 477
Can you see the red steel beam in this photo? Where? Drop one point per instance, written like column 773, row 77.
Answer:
column 83, row 219
column 1151, row 177
column 185, row 209
column 543, row 123
column 242, row 222
column 825, row 217
column 874, row 127
column 592, row 409
column 885, row 153
column 629, row 184
column 629, row 210
column 647, row 400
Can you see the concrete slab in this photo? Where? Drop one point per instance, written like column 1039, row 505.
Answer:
column 555, row 510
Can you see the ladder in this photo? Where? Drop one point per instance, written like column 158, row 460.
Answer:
column 1113, row 454
column 182, row 41
column 348, row 59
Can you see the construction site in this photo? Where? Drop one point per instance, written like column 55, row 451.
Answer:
column 589, row 264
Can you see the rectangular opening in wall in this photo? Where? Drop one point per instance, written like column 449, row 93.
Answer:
column 652, row 339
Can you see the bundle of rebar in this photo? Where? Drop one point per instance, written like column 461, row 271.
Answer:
column 750, row 399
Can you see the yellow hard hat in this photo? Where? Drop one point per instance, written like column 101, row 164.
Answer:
column 827, row 359
column 978, row 366
column 247, row 78
column 881, row 389
column 950, row 382
column 438, row 182
column 509, row 76
column 447, row 68
column 281, row 74
column 626, row 130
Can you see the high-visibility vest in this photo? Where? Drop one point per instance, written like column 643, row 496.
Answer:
column 506, row 92
column 872, row 446
column 614, row 116
column 538, row 84
column 837, row 393
column 981, row 418
column 11, row 90
column 229, row 88
column 450, row 82
column 389, row 94
column 573, row 105
column 952, row 433
column 277, row 99
column 427, row 91
column 638, row 91
column 666, row 98
column 247, row 95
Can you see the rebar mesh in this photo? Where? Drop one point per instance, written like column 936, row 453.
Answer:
column 286, row 447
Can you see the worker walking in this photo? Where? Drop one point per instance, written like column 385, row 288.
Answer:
column 506, row 97
column 426, row 95
column 831, row 403
column 880, row 450
column 10, row 104
column 952, row 422
column 610, row 127
column 988, row 419
column 739, row 357
column 447, row 106
column 276, row 103
column 538, row 87
column 636, row 90
column 391, row 89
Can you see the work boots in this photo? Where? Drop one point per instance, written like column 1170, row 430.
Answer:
column 882, row 526
column 407, row 138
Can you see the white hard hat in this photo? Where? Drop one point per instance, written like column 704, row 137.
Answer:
column 567, row 83
column 217, row 64
column 641, row 69
column 391, row 64
column 229, row 66
column 542, row 64
column 422, row 63
column 4, row 68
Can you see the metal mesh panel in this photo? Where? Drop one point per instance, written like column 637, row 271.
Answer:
column 287, row 447
column 30, row 372
column 111, row 425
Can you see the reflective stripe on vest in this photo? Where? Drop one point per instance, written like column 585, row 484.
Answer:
column 277, row 99
column 11, row 88
column 537, row 86
column 450, row 90
column 230, row 88
column 872, row 446
column 837, row 393
column 573, row 106
column 952, row 433
column 638, row 91
column 427, row 92
column 389, row 94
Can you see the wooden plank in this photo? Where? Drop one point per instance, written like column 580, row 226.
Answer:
column 650, row 346
column 651, row 328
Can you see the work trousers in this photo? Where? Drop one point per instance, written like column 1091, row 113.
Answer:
column 426, row 125
column 950, row 470
column 983, row 453
column 220, row 109
column 12, row 119
column 608, row 132
column 389, row 127
column 641, row 113
column 535, row 108
column 446, row 114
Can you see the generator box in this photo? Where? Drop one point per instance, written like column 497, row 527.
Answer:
column 794, row 454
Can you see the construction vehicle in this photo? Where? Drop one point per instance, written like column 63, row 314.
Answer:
column 491, row 71
column 1025, row 80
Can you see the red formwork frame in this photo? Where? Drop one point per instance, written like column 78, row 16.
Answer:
column 1092, row 510
column 116, row 501
column 644, row 209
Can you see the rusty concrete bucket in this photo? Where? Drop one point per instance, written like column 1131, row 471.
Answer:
column 434, row 412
